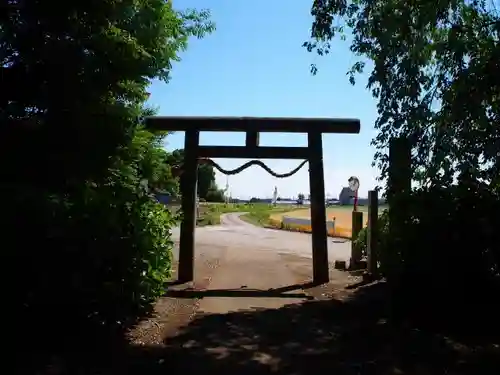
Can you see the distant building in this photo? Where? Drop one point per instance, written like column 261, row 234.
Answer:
column 346, row 196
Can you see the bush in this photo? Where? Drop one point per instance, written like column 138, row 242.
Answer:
column 447, row 246
column 215, row 195
column 87, row 262
column 85, row 247
column 361, row 242
column 451, row 233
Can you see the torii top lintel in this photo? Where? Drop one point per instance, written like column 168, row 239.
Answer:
column 254, row 124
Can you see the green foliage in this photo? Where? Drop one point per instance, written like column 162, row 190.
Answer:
column 451, row 236
column 215, row 195
column 208, row 218
column 111, row 50
column 300, row 198
column 88, row 246
column 450, row 240
column 207, row 189
column 258, row 217
column 260, row 213
column 99, row 254
column 146, row 151
column 361, row 242
column 254, row 213
column 434, row 75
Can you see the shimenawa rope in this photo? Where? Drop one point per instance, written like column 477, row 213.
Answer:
column 230, row 172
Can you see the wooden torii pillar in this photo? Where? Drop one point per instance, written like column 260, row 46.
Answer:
column 252, row 126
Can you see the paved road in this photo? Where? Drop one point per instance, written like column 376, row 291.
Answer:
column 234, row 232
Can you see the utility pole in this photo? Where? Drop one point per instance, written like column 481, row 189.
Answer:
column 226, row 191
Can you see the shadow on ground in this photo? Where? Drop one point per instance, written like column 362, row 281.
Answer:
column 244, row 291
column 351, row 337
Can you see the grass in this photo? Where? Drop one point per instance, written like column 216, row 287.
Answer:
column 257, row 213
column 342, row 214
column 330, row 211
column 261, row 214
column 209, row 218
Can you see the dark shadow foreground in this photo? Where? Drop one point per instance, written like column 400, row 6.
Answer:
column 282, row 292
column 360, row 336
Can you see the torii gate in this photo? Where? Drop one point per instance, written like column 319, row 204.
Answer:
column 252, row 126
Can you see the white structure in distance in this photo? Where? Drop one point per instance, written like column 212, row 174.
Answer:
column 275, row 195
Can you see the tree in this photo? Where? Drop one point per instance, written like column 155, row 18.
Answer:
column 206, row 174
column 435, row 79
column 300, row 198
column 434, row 75
column 215, row 195
column 74, row 157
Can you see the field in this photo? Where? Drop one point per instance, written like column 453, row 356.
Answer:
column 257, row 213
column 341, row 214
column 261, row 213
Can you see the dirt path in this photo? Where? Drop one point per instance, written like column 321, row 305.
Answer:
column 244, row 277
column 240, row 268
column 235, row 233
column 252, row 310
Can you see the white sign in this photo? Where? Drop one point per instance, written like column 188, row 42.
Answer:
column 275, row 195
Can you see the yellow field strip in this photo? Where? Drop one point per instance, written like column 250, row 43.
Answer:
column 306, row 228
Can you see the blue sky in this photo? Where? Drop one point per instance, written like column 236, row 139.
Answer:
column 254, row 65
